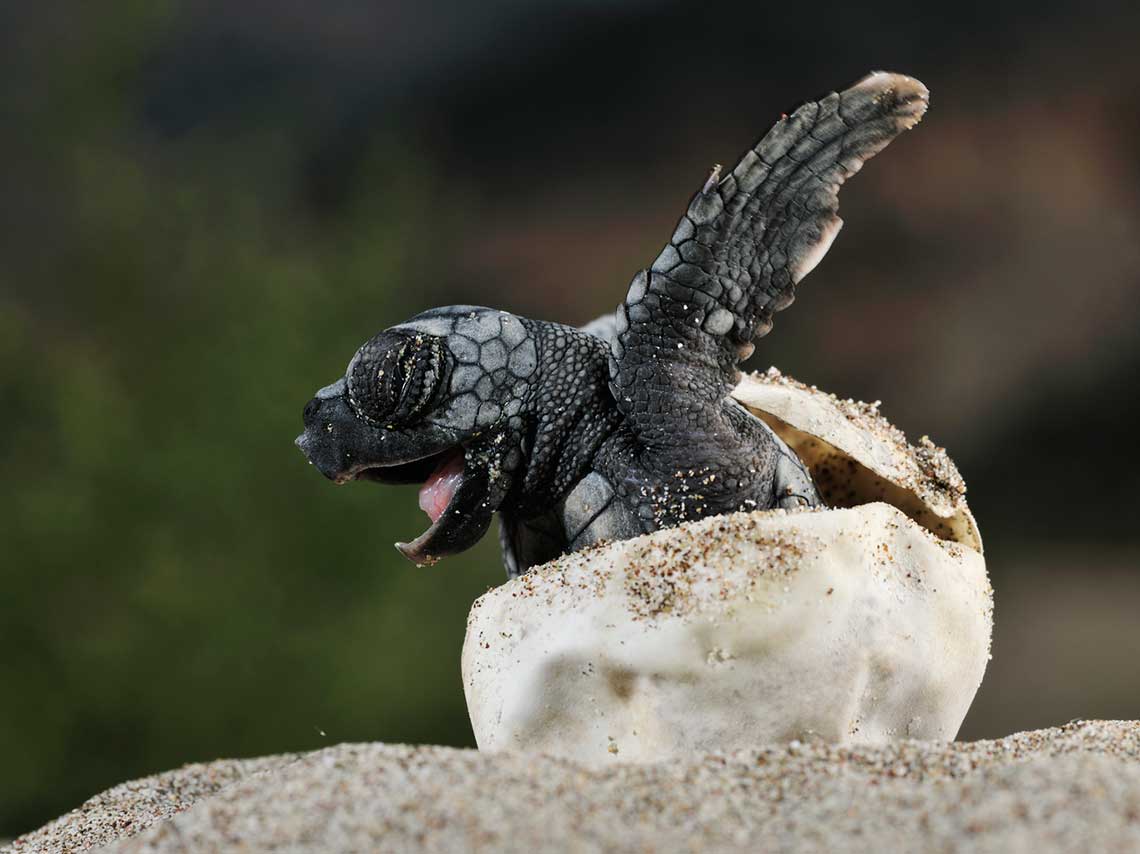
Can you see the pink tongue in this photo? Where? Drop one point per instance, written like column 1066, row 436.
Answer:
column 438, row 489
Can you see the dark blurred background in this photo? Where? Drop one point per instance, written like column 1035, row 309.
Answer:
column 207, row 205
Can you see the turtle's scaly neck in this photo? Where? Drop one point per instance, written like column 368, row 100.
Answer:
column 570, row 413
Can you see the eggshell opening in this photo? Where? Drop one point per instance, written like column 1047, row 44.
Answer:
column 856, row 456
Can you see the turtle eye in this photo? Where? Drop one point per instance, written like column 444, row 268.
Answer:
column 394, row 377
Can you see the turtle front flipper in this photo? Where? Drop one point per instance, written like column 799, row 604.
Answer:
column 737, row 254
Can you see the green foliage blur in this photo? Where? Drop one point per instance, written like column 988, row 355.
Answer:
column 178, row 584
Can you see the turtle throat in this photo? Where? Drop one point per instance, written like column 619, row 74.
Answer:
column 440, row 486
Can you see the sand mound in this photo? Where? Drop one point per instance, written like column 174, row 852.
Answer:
column 1072, row 788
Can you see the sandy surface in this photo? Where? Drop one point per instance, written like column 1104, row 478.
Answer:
column 1072, row 788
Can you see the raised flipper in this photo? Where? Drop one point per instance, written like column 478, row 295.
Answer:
column 737, row 254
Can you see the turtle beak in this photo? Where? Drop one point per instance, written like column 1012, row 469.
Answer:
column 344, row 448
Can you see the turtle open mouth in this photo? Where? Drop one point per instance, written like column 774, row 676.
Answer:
column 453, row 496
column 438, row 490
column 439, row 475
column 416, row 471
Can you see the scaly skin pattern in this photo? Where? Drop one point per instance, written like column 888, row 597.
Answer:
column 627, row 425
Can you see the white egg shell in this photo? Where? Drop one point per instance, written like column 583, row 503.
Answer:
column 851, row 624
column 856, row 456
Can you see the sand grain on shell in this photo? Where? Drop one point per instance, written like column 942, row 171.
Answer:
column 666, row 568
column 1072, row 788
column 927, row 469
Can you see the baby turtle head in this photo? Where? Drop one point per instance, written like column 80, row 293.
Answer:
column 437, row 400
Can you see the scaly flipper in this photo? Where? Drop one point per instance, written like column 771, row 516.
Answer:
column 738, row 253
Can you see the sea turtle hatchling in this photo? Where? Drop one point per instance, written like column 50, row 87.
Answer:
column 625, row 425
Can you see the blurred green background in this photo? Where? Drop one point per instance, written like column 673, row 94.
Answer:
column 207, row 206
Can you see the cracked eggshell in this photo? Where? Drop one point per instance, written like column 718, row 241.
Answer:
column 856, row 456
column 860, row 623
